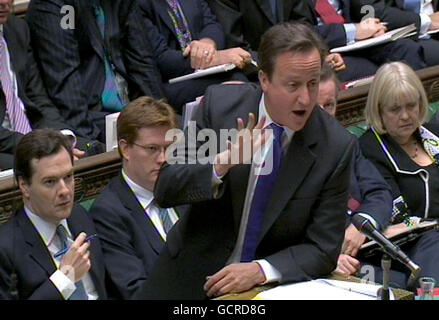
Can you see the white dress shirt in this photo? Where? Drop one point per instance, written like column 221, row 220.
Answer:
column 145, row 198
column 47, row 232
column 6, row 122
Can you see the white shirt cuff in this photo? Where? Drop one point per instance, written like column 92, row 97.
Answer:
column 216, row 182
column 64, row 285
column 270, row 272
column 425, row 23
column 351, row 31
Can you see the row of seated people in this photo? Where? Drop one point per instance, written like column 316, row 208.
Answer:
column 92, row 57
column 162, row 237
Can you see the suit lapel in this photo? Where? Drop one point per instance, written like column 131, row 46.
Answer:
column 266, row 8
column 295, row 167
column 15, row 54
column 37, row 249
column 131, row 203
column 162, row 10
column 239, row 176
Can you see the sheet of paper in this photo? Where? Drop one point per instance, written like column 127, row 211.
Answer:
column 322, row 289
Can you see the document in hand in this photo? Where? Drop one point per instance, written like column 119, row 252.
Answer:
column 406, row 234
column 323, row 289
column 393, row 35
column 205, row 72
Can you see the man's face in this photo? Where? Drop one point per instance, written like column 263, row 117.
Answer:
column 49, row 194
column 327, row 96
column 5, row 9
column 291, row 94
column 144, row 158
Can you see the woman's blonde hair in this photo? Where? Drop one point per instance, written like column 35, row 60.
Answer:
column 394, row 83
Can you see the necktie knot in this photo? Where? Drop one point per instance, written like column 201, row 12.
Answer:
column 61, row 232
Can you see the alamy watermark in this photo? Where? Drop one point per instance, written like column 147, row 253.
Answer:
column 202, row 147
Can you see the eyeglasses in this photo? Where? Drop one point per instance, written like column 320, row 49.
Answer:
column 152, row 149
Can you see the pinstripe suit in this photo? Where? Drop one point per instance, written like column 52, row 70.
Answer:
column 72, row 60
column 40, row 111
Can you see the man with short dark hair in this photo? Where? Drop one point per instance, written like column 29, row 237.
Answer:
column 132, row 227
column 46, row 248
column 254, row 222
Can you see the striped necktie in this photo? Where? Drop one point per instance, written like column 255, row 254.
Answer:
column 14, row 105
column 79, row 293
column 180, row 24
column 164, row 217
column 111, row 99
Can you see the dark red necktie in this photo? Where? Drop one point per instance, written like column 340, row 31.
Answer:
column 327, row 13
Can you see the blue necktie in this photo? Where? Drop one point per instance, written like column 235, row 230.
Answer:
column 79, row 293
column 413, row 6
column 111, row 99
column 164, row 217
column 261, row 196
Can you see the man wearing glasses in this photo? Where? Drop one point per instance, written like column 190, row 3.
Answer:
column 130, row 224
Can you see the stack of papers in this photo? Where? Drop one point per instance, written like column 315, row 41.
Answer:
column 323, row 289
column 393, row 35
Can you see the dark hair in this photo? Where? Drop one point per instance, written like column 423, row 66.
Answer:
column 287, row 37
column 142, row 113
column 327, row 74
column 38, row 144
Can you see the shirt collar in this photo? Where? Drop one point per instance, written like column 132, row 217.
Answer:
column 45, row 229
column 140, row 192
column 268, row 121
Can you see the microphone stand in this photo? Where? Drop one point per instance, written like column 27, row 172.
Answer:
column 385, row 265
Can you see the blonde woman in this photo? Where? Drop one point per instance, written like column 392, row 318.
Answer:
column 406, row 151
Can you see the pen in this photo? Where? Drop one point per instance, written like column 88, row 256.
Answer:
column 64, row 251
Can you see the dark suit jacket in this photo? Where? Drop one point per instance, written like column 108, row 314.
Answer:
column 246, row 21
column 23, row 251
column 39, row 109
column 129, row 239
column 303, row 228
column 202, row 24
column 391, row 11
column 410, row 186
column 72, row 60
column 370, row 189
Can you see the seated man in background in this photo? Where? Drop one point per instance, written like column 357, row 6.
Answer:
column 245, row 21
column 185, row 36
column 400, row 13
column 131, row 225
column 32, row 265
column 24, row 104
column 93, row 57
column 370, row 195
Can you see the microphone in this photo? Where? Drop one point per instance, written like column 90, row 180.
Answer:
column 367, row 228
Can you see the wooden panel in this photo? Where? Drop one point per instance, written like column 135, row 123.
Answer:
column 20, row 7
column 351, row 102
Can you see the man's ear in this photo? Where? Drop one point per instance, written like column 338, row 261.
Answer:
column 24, row 187
column 263, row 80
column 123, row 148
